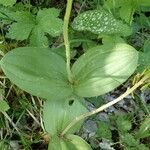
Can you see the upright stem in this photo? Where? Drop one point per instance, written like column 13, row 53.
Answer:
column 103, row 107
column 66, row 38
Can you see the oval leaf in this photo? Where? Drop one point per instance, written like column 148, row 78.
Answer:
column 37, row 71
column 100, row 22
column 77, row 143
column 56, row 143
column 70, row 142
column 102, row 69
column 57, row 115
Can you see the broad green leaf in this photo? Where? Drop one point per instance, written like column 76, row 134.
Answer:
column 3, row 106
column 57, row 115
column 56, row 143
column 7, row 2
column 70, row 142
column 37, row 71
column 60, row 50
column 100, row 22
column 103, row 68
column 77, row 143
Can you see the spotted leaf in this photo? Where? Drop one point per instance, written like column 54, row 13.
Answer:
column 100, row 22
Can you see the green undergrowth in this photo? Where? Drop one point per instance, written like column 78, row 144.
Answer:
column 119, row 28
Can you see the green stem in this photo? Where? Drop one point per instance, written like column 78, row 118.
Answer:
column 105, row 106
column 66, row 38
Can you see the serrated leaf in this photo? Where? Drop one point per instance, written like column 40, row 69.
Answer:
column 36, row 27
column 46, row 13
column 100, row 22
column 3, row 106
column 21, row 29
column 48, row 21
column 129, row 140
column 144, row 130
column 65, row 112
column 23, row 16
column 103, row 68
column 104, row 130
column 7, row 2
column 70, row 142
column 123, row 124
column 131, row 143
column 38, row 38
column 37, row 71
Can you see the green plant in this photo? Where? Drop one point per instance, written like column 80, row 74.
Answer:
column 43, row 73
column 128, row 137
column 33, row 27
column 125, row 9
